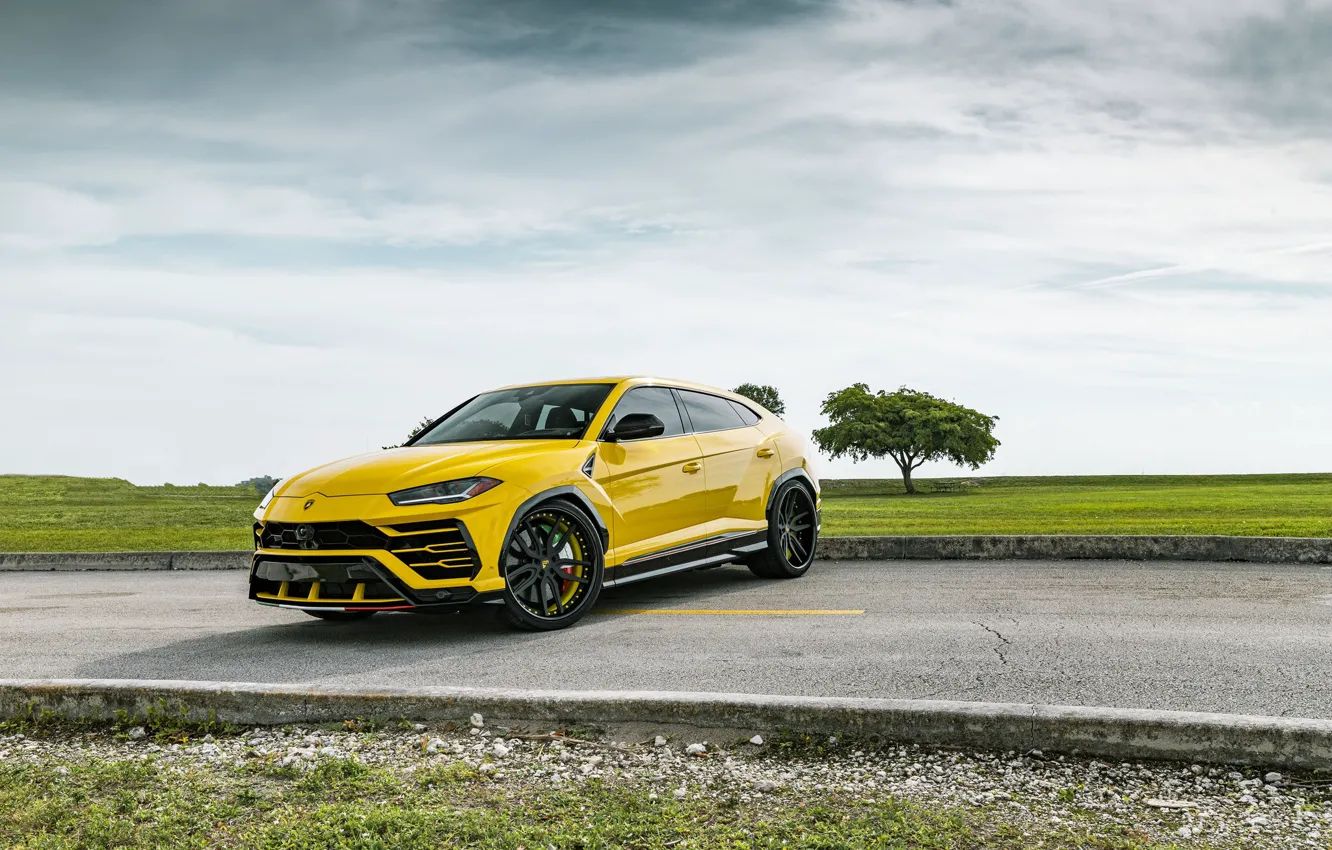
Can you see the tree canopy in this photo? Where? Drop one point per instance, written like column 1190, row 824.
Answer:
column 763, row 394
column 909, row 426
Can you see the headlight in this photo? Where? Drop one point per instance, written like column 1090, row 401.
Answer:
column 443, row 493
column 269, row 497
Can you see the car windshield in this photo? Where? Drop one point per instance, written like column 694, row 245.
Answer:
column 555, row 412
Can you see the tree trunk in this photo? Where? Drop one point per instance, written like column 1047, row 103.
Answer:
column 906, row 479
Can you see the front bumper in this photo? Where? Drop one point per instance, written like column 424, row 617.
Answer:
column 361, row 553
column 341, row 583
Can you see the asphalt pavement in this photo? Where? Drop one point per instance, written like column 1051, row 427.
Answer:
column 1235, row 638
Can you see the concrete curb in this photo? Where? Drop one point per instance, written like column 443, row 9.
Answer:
column 74, row 561
column 1117, row 734
column 1052, row 547
column 1031, row 547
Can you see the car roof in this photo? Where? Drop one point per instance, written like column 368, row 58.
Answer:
column 632, row 380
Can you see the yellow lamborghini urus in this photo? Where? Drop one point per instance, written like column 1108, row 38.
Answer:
column 538, row 496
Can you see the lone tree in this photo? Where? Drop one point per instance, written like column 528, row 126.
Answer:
column 908, row 426
column 764, row 395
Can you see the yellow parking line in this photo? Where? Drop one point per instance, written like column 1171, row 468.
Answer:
column 706, row 611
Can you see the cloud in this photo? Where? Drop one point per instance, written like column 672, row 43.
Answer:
column 1108, row 227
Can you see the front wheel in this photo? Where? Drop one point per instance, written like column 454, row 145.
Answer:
column 793, row 535
column 552, row 568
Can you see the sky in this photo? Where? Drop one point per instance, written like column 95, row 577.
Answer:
column 242, row 238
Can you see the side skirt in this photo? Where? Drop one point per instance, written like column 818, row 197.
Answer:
column 694, row 556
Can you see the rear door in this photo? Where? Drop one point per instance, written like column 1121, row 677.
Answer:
column 656, row 485
column 737, row 459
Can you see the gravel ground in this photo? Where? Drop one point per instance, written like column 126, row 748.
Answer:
column 1192, row 805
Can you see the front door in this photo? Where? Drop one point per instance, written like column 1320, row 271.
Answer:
column 656, row 485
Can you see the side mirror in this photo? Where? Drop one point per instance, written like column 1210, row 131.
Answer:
column 636, row 426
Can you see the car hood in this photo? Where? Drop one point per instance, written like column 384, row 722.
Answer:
column 412, row 466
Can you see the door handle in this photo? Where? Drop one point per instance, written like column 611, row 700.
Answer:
column 691, row 467
column 766, row 452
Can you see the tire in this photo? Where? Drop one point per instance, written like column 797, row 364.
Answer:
column 341, row 616
column 793, row 535
column 552, row 565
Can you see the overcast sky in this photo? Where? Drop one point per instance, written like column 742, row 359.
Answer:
column 240, row 237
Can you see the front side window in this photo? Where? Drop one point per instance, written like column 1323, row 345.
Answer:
column 554, row 412
column 657, row 401
column 709, row 413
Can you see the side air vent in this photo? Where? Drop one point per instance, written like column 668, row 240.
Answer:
column 589, row 464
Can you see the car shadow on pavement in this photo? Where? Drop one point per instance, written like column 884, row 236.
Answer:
column 300, row 649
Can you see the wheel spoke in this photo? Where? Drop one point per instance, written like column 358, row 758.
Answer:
column 545, row 602
column 569, row 562
column 526, row 584
column 525, row 545
column 799, row 548
column 548, row 581
column 567, row 576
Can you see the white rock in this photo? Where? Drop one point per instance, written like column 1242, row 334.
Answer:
column 757, row 740
column 418, row 727
column 680, row 793
column 1184, row 832
column 765, row 786
column 487, row 768
column 499, row 749
column 477, row 721
column 62, row 770
column 1273, row 778
column 138, row 733
column 434, row 745
column 695, row 750
column 659, row 741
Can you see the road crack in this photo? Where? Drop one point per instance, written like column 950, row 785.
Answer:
column 1003, row 642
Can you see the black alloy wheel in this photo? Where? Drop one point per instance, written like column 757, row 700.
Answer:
column 341, row 616
column 793, row 535
column 552, row 568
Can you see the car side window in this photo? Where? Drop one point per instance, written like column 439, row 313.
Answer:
column 748, row 416
column 709, row 413
column 657, row 401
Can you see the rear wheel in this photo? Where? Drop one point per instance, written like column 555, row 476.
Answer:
column 552, row 568
column 341, row 616
column 793, row 535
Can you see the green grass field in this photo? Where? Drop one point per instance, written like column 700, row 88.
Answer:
column 1236, row 505
column 55, row 513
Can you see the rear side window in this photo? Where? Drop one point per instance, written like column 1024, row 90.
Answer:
column 657, row 401
column 709, row 413
column 747, row 416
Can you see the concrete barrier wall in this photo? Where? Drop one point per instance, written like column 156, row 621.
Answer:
column 1033, row 547
column 1115, row 734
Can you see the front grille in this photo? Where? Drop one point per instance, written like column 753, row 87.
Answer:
column 333, row 536
column 435, row 550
